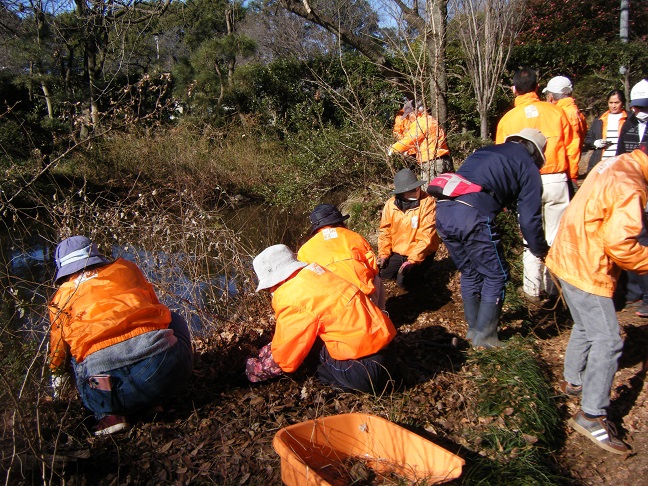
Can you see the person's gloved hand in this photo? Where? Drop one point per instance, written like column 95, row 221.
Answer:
column 381, row 262
column 405, row 267
column 390, row 152
column 59, row 383
column 262, row 368
column 601, row 143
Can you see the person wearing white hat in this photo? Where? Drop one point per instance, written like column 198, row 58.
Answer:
column 558, row 92
column 633, row 134
column 560, row 171
column 312, row 304
column 492, row 178
column 127, row 351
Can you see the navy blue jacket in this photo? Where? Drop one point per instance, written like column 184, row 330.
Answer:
column 508, row 173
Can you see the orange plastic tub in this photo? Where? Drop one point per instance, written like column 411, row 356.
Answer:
column 360, row 448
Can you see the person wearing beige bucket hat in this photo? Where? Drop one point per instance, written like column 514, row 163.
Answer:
column 127, row 351
column 492, row 178
column 407, row 238
column 314, row 305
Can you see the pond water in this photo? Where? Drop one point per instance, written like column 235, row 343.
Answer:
column 27, row 266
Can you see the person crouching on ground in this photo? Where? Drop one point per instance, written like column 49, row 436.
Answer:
column 489, row 180
column 312, row 303
column 343, row 252
column 601, row 232
column 407, row 238
column 127, row 351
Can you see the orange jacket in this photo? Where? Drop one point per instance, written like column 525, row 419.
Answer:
column 316, row 302
column 426, row 136
column 401, row 127
column 562, row 151
column 100, row 307
column 344, row 253
column 598, row 233
column 411, row 233
column 575, row 118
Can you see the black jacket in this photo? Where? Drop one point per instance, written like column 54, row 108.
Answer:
column 629, row 137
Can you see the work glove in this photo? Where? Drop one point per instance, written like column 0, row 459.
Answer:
column 405, row 267
column 59, row 384
column 390, row 152
column 262, row 368
column 601, row 143
column 381, row 262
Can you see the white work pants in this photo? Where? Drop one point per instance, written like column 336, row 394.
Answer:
column 555, row 198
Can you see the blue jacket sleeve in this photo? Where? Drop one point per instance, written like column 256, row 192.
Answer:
column 530, row 211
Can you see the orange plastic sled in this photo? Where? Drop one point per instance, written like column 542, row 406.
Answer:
column 342, row 449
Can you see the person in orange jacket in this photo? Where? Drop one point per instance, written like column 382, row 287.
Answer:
column 558, row 92
column 407, row 238
column 426, row 136
column 311, row 303
column 343, row 252
column 562, row 154
column 601, row 233
column 127, row 351
column 402, row 123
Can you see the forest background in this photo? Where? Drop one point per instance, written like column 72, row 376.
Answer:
column 152, row 127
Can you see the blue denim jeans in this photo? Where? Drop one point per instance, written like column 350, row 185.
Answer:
column 148, row 382
column 474, row 243
column 594, row 347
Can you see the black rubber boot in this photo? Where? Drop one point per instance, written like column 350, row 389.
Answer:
column 486, row 329
column 471, row 311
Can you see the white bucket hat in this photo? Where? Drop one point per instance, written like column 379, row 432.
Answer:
column 532, row 135
column 275, row 264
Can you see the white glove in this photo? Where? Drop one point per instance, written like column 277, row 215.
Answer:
column 59, row 382
column 601, row 143
column 390, row 151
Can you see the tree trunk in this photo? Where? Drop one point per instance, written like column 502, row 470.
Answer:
column 436, row 51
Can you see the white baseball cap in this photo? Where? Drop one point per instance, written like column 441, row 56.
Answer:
column 559, row 85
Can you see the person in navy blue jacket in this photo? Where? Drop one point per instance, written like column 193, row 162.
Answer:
column 507, row 173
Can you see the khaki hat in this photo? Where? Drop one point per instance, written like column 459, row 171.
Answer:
column 275, row 264
column 532, row 135
column 405, row 180
column 559, row 85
